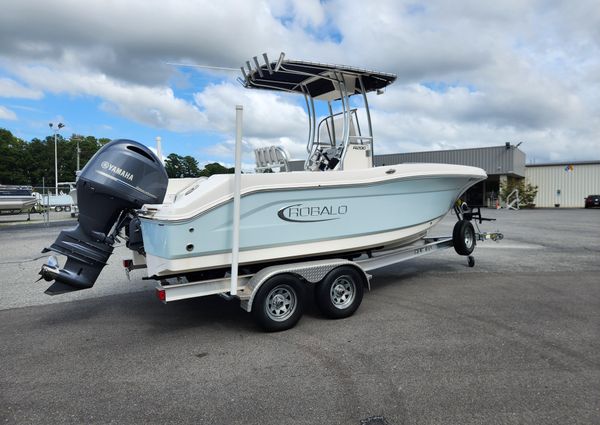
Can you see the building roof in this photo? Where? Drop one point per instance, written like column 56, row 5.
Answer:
column 562, row 163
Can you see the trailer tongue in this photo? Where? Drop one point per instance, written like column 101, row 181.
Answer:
column 121, row 177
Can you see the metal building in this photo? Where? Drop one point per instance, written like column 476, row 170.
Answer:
column 564, row 184
column 499, row 162
column 559, row 184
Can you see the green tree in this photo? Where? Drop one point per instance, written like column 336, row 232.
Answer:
column 31, row 163
column 13, row 159
column 190, row 167
column 174, row 166
column 527, row 192
column 215, row 168
column 187, row 166
column 41, row 167
column 88, row 146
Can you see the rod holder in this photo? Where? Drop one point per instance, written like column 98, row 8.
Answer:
column 257, row 66
column 268, row 63
column 279, row 61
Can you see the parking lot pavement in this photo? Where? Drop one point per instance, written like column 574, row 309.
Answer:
column 514, row 340
column 24, row 220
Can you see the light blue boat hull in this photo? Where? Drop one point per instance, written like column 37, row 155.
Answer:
column 283, row 218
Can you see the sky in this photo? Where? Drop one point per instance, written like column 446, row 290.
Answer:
column 470, row 73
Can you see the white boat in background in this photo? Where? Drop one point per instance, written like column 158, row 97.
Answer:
column 340, row 206
column 16, row 199
column 61, row 202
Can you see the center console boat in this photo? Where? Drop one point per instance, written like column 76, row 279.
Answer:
column 340, row 206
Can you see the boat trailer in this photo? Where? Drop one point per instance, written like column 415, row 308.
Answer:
column 275, row 294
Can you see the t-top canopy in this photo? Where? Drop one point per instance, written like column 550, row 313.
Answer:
column 316, row 80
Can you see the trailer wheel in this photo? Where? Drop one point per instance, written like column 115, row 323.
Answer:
column 278, row 304
column 463, row 237
column 340, row 293
column 68, row 209
column 58, row 208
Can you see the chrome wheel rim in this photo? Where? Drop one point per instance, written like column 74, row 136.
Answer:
column 281, row 303
column 469, row 238
column 342, row 292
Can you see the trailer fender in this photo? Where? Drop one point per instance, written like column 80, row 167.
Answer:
column 311, row 271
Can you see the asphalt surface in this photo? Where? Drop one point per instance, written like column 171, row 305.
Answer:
column 514, row 340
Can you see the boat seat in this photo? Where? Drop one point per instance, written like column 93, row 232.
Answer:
column 271, row 157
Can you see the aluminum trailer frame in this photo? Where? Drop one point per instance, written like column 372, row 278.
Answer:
column 312, row 272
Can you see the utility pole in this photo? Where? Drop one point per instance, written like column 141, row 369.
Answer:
column 78, row 153
column 77, row 139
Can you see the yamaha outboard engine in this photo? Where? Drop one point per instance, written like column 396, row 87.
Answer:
column 122, row 176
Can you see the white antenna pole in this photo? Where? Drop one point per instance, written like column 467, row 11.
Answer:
column 158, row 148
column 237, row 187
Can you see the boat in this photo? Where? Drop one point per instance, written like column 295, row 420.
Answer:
column 339, row 206
column 16, row 199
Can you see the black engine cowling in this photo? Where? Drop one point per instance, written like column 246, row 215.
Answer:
column 122, row 176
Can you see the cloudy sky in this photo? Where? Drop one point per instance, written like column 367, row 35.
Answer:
column 470, row 73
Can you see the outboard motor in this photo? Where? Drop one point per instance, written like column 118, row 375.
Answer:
column 122, row 176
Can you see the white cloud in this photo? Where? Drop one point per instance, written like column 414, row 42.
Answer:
column 509, row 71
column 130, row 40
column 266, row 114
column 7, row 114
column 11, row 88
column 155, row 106
column 309, row 12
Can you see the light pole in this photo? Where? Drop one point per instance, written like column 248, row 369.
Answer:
column 56, row 130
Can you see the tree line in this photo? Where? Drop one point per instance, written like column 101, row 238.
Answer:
column 31, row 163
column 187, row 166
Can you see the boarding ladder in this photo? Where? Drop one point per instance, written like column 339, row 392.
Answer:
column 514, row 204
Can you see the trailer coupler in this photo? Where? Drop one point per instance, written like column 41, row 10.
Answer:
column 493, row 236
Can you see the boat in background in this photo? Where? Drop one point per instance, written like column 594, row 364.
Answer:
column 340, row 206
column 15, row 199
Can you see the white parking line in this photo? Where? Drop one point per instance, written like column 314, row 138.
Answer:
column 501, row 245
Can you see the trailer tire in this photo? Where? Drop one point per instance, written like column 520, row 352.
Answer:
column 463, row 237
column 68, row 209
column 340, row 293
column 279, row 303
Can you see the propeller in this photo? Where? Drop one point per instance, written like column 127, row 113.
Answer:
column 49, row 270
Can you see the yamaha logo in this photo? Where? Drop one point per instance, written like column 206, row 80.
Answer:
column 300, row 213
column 116, row 170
